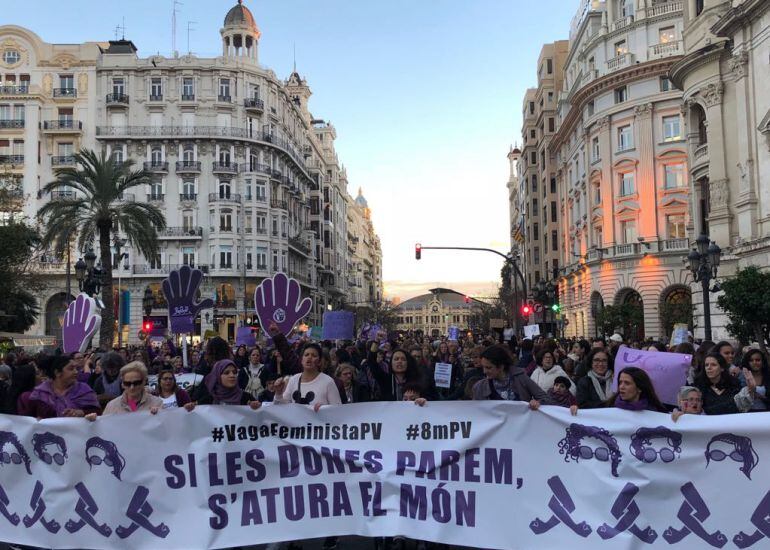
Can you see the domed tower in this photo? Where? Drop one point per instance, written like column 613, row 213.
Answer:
column 240, row 35
column 362, row 202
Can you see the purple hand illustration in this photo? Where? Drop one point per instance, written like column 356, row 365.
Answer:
column 180, row 290
column 280, row 300
column 81, row 322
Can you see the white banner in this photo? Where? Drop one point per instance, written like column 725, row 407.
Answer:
column 491, row 475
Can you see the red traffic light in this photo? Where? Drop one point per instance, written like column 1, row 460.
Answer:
column 147, row 327
column 417, row 251
column 526, row 310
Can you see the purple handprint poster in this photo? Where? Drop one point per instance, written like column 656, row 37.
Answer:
column 279, row 300
column 81, row 322
column 181, row 292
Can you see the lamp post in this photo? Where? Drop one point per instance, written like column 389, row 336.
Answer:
column 89, row 276
column 703, row 264
column 119, row 244
column 545, row 294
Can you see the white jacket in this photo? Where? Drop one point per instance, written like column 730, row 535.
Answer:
column 545, row 379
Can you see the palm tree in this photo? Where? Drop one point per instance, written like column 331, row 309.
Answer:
column 88, row 202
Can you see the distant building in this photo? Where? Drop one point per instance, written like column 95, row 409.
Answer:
column 433, row 314
column 364, row 255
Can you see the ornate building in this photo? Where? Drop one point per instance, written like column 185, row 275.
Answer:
column 433, row 314
column 622, row 166
column 248, row 179
column 364, row 255
column 724, row 76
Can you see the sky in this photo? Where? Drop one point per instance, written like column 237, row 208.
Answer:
column 425, row 96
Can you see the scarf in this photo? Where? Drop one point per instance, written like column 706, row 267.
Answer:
column 599, row 381
column 565, row 399
column 640, row 405
column 222, row 395
column 79, row 396
column 111, row 388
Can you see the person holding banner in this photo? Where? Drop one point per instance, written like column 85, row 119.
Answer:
column 717, row 385
column 135, row 398
column 61, row 395
column 221, row 388
column 169, row 391
column 506, row 382
column 547, row 370
column 309, row 387
column 593, row 389
column 636, row 392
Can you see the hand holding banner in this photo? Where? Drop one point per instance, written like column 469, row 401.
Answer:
column 280, row 300
column 668, row 371
column 81, row 322
column 180, row 290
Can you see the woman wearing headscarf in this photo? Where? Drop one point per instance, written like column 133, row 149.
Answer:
column 593, row 390
column 221, row 388
column 61, row 395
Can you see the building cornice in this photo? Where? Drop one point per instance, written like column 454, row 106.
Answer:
column 739, row 16
column 704, row 56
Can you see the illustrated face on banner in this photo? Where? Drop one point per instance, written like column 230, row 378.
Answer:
column 735, row 447
column 641, row 444
column 280, row 300
column 12, row 452
column 587, row 442
column 81, row 322
column 100, row 451
column 181, row 291
column 50, row 448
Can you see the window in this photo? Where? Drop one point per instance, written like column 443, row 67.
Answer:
column 226, row 221
column 553, row 185
column 155, row 262
column 188, row 256
column 536, row 258
column 532, row 134
column 628, row 231
column 553, row 211
column 11, row 57
column 118, row 86
column 188, row 190
column 551, row 125
column 675, row 226
column 255, row 92
column 533, row 158
column 247, row 225
column 249, row 264
column 671, row 128
column 275, row 260
column 261, row 224
column 259, row 190
column 224, row 156
column 187, row 221
column 625, row 138
column 156, row 156
column 554, row 241
column 598, row 236
column 534, row 207
column 698, row 7
column 224, row 89
column 674, row 175
column 534, row 183
column 261, row 257
column 531, row 107
column 156, row 191
column 665, row 84
column 117, row 154
column 188, row 154
column 621, row 94
column 666, row 35
column 156, row 89
column 595, row 149
column 621, row 48
column 626, row 183
column 549, row 66
column 536, row 231
column 591, row 64
column 224, row 189
column 247, row 193
column 597, row 194
column 225, row 258
column 188, row 88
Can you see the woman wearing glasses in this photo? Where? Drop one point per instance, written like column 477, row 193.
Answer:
column 172, row 395
column 135, row 397
column 311, row 386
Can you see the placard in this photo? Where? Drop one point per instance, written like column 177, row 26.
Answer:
column 81, row 321
column 338, row 325
column 442, row 375
column 668, row 371
column 530, row 331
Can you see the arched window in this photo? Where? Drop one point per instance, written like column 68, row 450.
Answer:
column 224, row 189
column 156, row 155
column 188, row 153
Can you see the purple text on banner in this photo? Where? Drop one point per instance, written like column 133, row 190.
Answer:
column 245, row 337
column 338, row 325
column 668, row 371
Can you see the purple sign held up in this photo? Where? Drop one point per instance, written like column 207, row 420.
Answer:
column 668, row 371
column 245, row 336
column 280, row 300
column 181, row 290
column 81, row 322
column 338, row 325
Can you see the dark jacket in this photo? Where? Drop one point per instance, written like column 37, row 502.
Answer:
column 470, row 374
column 209, row 400
column 719, row 404
column 587, row 398
column 523, row 385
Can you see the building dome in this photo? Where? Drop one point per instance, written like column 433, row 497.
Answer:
column 360, row 200
column 240, row 16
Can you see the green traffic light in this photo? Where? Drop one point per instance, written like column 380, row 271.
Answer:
column 556, row 307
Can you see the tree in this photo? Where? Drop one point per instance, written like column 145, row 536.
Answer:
column 624, row 317
column 89, row 205
column 746, row 301
column 673, row 313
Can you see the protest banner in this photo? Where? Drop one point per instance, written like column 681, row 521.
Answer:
column 181, row 291
column 680, row 334
column 338, row 325
column 185, row 381
column 81, row 322
column 245, row 336
column 668, row 371
column 442, row 375
column 530, row 331
column 453, row 333
column 279, row 300
column 479, row 474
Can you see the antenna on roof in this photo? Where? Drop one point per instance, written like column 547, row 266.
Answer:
column 295, row 57
column 174, row 11
column 189, row 28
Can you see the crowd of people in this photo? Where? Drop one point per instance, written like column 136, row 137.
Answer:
column 573, row 373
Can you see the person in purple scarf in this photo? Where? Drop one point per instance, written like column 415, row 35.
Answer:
column 62, row 395
column 635, row 392
column 222, row 388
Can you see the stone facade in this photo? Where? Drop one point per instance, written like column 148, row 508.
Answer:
column 433, row 314
column 364, row 255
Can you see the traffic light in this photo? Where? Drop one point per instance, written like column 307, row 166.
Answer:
column 556, row 308
column 526, row 310
column 147, row 326
column 417, row 251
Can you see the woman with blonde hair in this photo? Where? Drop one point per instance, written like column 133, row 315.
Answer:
column 135, row 396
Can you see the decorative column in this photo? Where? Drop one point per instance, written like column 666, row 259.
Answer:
column 645, row 184
column 746, row 197
column 606, row 185
column 719, row 212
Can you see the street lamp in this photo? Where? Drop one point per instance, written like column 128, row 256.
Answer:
column 88, row 275
column 148, row 300
column 704, row 264
column 545, row 294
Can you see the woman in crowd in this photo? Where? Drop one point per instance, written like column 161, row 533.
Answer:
column 755, row 375
column 690, row 401
column 726, row 350
column 506, row 382
column 354, row 391
column 7, row 406
column 547, row 370
column 250, row 377
column 241, row 358
column 716, row 384
column 172, row 395
column 24, row 381
column 561, row 394
column 177, row 365
column 594, row 388
column 402, row 369
column 220, row 387
column 135, row 397
column 107, row 384
column 656, row 346
column 635, row 392
column 61, row 395
column 309, row 387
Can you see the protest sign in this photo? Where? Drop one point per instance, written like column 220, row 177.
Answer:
column 530, row 331
column 81, row 322
column 668, row 371
column 508, row 334
column 453, row 333
column 279, row 300
column 680, row 335
column 181, row 292
column 478, row 474
column 442, row 375
column 338, row 325
column 186, row 381
column 316, row 333
column 245, row 336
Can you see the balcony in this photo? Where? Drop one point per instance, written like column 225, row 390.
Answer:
column 254, row 104
column 260, row 231
column 158, row 97
column 14, row 90
column 225, row 168
column 117, row 100
column 181, row 233
column 666, row 49
column 188, row 167
column 156, row 166
column 155, row 269
column 679, row 245
column 224, row 197
column 620, row 62
column 224, row 99
column 700, row 157
column 662, row 9
column 188, row 197
column 12, row 124
column 626, row 249
column 16, row 160
column 126, row 197
column 274, row 203
column 63, row 194
column 155, row 197
column 256, row 167
column 54, row 268
column 63, row 160
column 299, row 246
column 188, row 97
column 622, row 23
column 64, row 126
column 65, row 93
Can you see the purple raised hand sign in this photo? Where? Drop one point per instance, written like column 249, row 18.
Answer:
column 280, row 300
column 81, row 322
column 181, row 290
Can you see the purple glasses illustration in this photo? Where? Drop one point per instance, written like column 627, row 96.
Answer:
column 642, row 439
column 574, row 448
column 109, row 455
column 43, row 440
column 14, row 453
column 737, row 447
